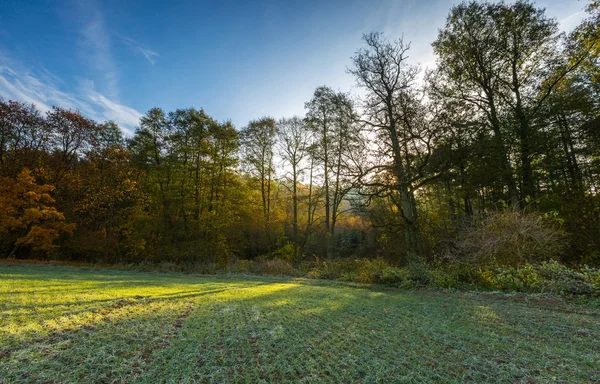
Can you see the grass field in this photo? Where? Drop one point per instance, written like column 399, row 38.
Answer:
column 66, row 324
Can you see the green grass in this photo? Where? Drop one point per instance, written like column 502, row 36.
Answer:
column 67, row 324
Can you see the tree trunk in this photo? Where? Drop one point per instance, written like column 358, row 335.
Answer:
column 525, row 154
column 327, row 205
column 11, row 255
column 407, row 204
column 295, row 209
column 505, row 168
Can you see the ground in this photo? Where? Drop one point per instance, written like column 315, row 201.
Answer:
column 67, row 324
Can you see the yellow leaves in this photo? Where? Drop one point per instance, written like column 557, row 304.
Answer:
column 39, row 238
column 27, row 216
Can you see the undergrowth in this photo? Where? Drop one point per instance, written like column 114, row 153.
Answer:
column 548, row 277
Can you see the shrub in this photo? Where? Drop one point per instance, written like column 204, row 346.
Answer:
column 343, row 269
column 546, row 277
column 511, row 278
column 444, row 278
column 557, row 278
column 286, row 252
column 275, row 267
column 396, row 277
column 593, row 276
column 508, row 238
column 370, row 271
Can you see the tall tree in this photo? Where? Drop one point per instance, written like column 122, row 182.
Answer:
column 404, row 125
column 24, row 137
column 150, row 151
column 528, row 43
column 504, row 60
column 294, row 141
column 468, row 68
column 73, row 134
column 332, row 119
column 110, row 135
column 258, row 145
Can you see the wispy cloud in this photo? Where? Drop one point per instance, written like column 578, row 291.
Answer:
column 95, row 46
column 136, row 47
column 570, row 22
column 111, row 110
column 44, row 90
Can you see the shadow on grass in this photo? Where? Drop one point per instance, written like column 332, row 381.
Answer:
column 284, row 332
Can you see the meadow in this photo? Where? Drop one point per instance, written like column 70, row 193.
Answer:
column 62, row 324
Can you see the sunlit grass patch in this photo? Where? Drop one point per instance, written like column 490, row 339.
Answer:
column 74, row 325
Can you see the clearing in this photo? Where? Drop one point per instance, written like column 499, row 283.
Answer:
column 68, row 324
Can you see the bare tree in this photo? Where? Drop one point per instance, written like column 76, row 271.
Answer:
column 404, row 126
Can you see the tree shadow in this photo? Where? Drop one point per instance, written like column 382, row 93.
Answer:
column 291, row 331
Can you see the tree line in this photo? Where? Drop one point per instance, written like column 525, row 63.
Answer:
column 508, row 120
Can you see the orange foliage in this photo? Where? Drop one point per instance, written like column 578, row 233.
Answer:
column 27, row 215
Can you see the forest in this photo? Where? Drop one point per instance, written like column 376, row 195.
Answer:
column 490, row 159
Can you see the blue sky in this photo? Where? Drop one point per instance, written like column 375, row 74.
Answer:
column 238, row 60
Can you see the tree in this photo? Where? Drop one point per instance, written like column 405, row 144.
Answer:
column 150, row 147
column 24, row 137
column 191, row 145
column 331, row 117
column 110, row 135
column 294, row 140
column 528, row 45
column 467, row 71
column 258, row 145
column 107, row 199
column 404, row 126
column 28, row 217
column 72, row 134
column 504, row 60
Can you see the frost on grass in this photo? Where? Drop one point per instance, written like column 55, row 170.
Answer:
column 68, row 325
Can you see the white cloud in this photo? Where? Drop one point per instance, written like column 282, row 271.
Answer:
column 136, row 47
column 43, row 89
column 121, row 114
column 95, row 45
column 569, row 23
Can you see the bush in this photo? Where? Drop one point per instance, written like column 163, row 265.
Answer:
column 508, row 238
column 509, row 278
column 274, row 267
column 396, row 277
column 547, row 277
column 286, row 252
column 343, row 269
column 364, row 271
column 369, row 271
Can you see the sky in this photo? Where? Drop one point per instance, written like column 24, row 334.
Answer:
column 239, row 60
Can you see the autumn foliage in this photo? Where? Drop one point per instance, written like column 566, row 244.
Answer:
column 469, row 160
column 28, row 217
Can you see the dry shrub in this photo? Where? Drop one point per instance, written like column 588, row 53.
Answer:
column 508, row 238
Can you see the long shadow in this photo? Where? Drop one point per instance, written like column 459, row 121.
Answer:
column 177, row 294
column 459, row 326
column 134, row 300
column 410, row 313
